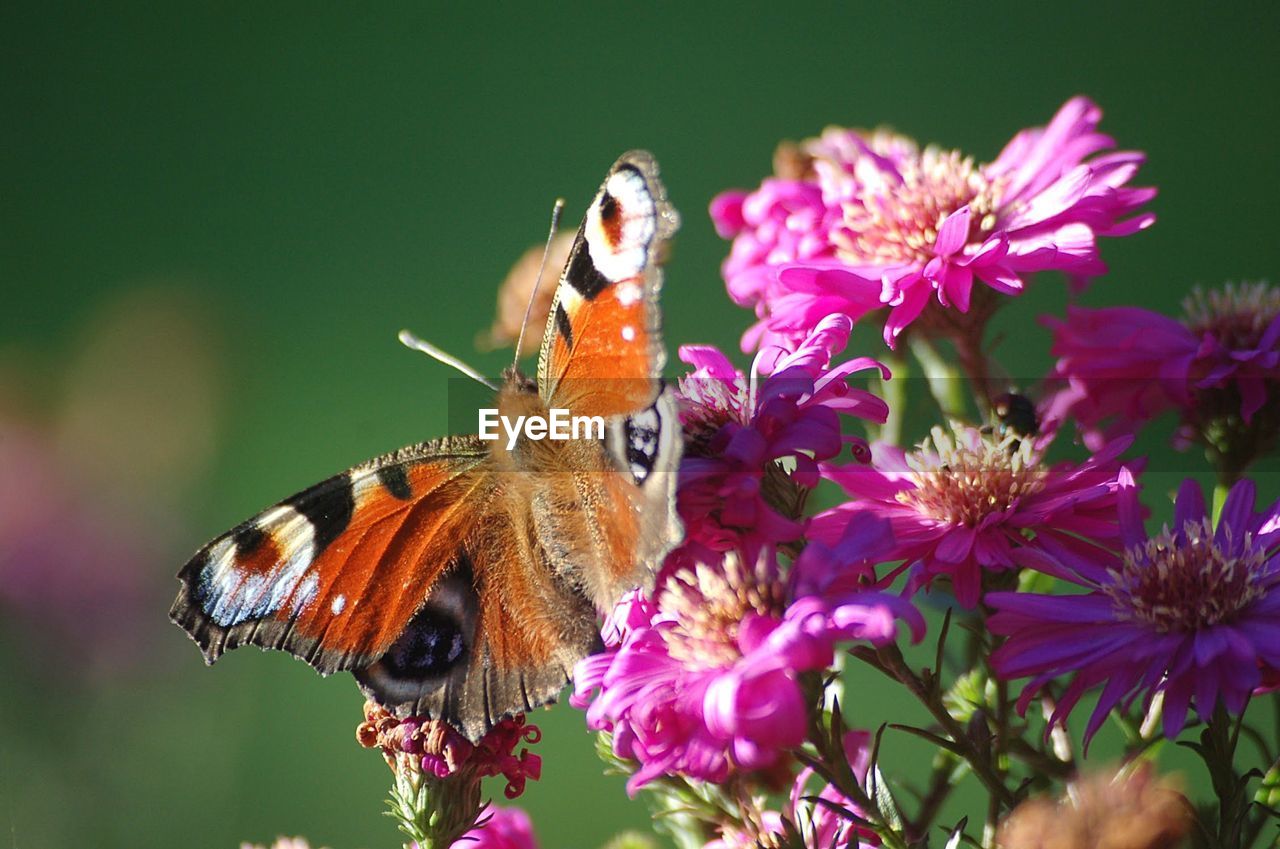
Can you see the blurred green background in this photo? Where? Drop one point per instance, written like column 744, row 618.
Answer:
column 215, row 217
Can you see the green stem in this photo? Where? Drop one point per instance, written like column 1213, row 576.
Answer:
column 943, row 378
column 828, row 742
column 894, row 392
column 1000, row 745
column 1217, row 748
column 973, row 362
column 889, row 660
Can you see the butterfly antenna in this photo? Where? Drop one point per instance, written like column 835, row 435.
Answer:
column 411, row 341
column 546, row 252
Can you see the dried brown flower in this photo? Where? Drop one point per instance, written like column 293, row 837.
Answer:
column 1128, row 809
column 513, row 297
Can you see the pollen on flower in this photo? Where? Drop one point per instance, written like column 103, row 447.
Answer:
column 708, row 604
column 1189, row 583
column 896, row 221
column 707, row 403
column 962, row 480
column 1236, row 315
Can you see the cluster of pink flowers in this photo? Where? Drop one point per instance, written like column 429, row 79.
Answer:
column 869, row 220
column 1218, row 368
column 741, row 428
column 723, row 679
column 705, row 679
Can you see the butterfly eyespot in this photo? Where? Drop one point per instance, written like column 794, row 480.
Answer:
column 429, row 646
column 247, row 538
column 608, row 207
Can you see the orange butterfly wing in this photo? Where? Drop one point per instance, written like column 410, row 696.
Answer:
column 602, row 351
column 333, row 574
column 455, row 588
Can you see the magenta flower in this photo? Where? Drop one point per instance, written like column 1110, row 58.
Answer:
column 1192, row 612
column 875, row 221
column 704, row 680
column 739, row 428
column 1124, row 366
column 964, row 504
column 501, row 828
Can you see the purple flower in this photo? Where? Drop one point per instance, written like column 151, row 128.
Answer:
column 704, row 680
column 502, row 828
column 738, row 429
column 964, row 503
column 1192, row 612
column 1123, row 366
column 872, row 220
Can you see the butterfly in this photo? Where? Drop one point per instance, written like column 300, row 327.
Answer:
column 460, row 579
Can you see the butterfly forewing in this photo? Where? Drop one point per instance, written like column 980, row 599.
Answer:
column 334, row 573
column 602, row 352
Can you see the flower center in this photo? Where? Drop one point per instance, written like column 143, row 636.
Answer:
column 894, row 217
column 707, row 403
column 1185, row 586
column 964, row 480
column 1236, row 316
column 707, row 603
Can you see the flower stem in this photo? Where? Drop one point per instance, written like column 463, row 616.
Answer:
column 998, row 748
column 945, row 384
column 1217, row 748
column 894, row 392
column 973, row 362
column 889, row 660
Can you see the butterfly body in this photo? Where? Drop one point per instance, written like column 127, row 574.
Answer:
column 460, row 578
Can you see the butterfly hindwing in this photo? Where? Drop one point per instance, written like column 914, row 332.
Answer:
column 602, row 351
column 504, row 609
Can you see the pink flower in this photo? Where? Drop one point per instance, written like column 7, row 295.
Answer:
column 964, row 503
column 501, row 828
column 739, row 428
column 1193, row 612
column 1123, row 366
column 875, row 221
column 704, row 680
